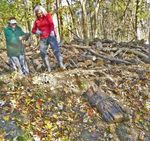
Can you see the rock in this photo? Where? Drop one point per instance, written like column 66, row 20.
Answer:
column 2, row 103
column 82, row 64
column 126, row 133
column 88, row 62
column 141, row 136
column 90, row 136
column 99, row 44
column 11, row 128
column 147, row 138
column 147, row 105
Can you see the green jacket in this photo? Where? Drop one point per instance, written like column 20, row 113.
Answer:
column 14, row 45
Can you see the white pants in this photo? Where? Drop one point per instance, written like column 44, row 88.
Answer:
column 19, row 64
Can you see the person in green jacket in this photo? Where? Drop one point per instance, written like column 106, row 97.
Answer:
column 15, row 48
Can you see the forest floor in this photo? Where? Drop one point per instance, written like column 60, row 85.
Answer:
column 51, row 106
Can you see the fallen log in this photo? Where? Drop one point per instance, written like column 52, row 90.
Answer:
column 77, row 46
column 109, row 108
column 140, row 54
column 117, row 60
column 110, row 58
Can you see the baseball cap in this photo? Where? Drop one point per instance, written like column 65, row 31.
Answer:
column 12, row 21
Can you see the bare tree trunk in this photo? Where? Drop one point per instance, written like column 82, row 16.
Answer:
column 103, row 25
column 96, row 18
column 91, row 20
column 92, row 28
column 61, row 26
column 73, row 18
column 59, row 19
column 136, row 19
column 149, row 37
column 149, row 44
column 27, row 5
column 84, row 20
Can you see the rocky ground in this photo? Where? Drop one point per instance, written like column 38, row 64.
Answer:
column 52, row 106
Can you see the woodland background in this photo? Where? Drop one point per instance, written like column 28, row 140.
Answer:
column 120, row 20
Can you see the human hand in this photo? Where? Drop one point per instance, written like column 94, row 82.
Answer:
column 21, row 38
column 52, row 33
column 38, row 32
column 26, row 36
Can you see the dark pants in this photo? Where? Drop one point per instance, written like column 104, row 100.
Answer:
column 54, row 45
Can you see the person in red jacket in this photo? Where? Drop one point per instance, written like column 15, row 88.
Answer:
column 44, row 27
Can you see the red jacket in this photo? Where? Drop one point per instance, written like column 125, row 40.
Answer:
column 44, row 24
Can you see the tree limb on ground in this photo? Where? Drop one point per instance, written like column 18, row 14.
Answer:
column 110, row 58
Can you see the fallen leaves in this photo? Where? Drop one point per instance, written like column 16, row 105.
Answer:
column 51, row 106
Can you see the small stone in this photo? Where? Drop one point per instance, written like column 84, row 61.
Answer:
column 141, row 136
column 126, row 133
column 147, row 105
column 2, row 102
column 99, row 44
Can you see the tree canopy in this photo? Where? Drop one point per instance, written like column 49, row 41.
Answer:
column 121, row 20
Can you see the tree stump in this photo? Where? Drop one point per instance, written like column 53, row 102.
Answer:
column 109, row 108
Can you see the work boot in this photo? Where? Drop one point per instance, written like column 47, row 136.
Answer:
column 60, row 62
column 47, row 64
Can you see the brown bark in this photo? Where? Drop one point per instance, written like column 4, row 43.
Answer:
column 149, row 43
column 110, row 109
column 72, row 17
column 96, row 19
column 58, row 17
column 136, row 18
column 84, row 20
column 110, row 58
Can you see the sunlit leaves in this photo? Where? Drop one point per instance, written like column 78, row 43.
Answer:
column 62, row 113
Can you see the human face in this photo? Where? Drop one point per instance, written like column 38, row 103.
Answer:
column 13, row 25
column 39, row 13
